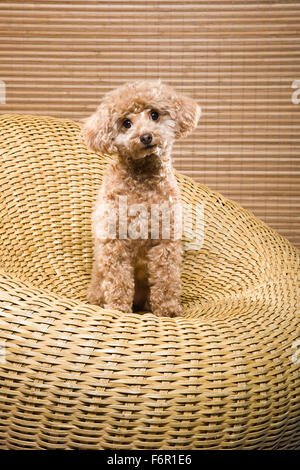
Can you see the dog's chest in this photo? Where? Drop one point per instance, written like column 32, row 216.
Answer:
column 138, row 210
column 163, row 194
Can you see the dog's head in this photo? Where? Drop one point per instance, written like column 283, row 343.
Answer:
column 140, row 119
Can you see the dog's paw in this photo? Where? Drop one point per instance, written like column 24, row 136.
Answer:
column 125, row 308
column 93, row 299
column 170, row 311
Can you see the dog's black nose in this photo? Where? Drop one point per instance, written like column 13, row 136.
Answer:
column 146, row 139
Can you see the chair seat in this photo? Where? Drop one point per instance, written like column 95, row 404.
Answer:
column 225, row 375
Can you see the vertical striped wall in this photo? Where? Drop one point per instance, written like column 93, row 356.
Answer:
column 239, row 59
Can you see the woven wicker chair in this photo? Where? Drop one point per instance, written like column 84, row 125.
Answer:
column 72, row 375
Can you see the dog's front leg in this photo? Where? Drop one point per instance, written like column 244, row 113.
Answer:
column 164, row 262
column 114, row 282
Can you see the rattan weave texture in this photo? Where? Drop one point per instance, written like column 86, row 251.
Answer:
column 72, row 375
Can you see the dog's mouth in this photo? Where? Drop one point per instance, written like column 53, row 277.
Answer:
column 151, row 150
column 150, row 146
column 147, row 151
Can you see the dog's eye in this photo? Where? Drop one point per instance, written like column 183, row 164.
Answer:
column 127, row 123
column 154, row 115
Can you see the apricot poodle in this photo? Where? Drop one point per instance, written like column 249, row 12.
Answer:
column 137, row 263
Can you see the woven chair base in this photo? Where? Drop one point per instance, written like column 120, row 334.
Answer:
column 75, row 376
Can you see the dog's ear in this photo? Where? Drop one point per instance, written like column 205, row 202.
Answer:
column 188, row 113
column 97, row 132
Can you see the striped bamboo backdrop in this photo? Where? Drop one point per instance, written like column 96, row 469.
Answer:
column 237, row 58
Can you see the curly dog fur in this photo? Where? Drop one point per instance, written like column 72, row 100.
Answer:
column 138, row 124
